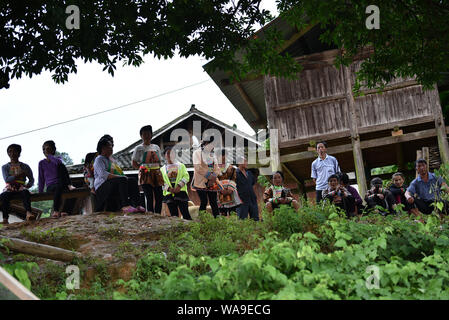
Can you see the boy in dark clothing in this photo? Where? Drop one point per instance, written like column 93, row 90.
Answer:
column 378, row 196
column 398, row 189
column 339, row 196
column 245, row 181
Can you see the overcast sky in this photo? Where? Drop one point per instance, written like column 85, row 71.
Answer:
column 38, row 102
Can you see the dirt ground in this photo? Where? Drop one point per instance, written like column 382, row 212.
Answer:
column 117, row 239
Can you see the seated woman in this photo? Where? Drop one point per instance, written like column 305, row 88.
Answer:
column 175, row 177
column 339, row 196
column 53, row 175
column 89, row 160
column 276, row 194
column 109, row 180
column 15, row 174
column 398, row 189
column 228, row 197
column 378, row 196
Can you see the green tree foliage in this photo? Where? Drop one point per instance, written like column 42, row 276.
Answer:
column 413, row 38
column 35, row 37
column 64, row 157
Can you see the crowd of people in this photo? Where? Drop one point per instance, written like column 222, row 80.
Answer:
column 224, row 186
column 18, row 176
column 333, row 185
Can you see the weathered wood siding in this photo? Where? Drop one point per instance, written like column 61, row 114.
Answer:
column 407, row 101
column 315, row 104
column 295, row 115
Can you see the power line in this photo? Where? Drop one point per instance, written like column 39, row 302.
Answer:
column 107, row 110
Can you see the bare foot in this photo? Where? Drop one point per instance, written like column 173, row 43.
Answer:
column 56, row 215
column 71, row 187
column 64, row 214
column 30, row 216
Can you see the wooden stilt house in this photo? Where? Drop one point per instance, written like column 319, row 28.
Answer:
column 363, row 132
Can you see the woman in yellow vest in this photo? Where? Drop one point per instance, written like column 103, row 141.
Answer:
column 175, row 177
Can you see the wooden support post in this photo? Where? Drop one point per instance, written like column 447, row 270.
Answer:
column 418, row 156
column 440, row 128
column 274, row 150
column 355, row 138
column 425, row 154
column 400, row 157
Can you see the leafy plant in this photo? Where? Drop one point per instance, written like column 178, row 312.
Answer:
column 20, row 271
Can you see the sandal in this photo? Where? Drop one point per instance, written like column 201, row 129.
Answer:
column 5, row 221
column 56, row 215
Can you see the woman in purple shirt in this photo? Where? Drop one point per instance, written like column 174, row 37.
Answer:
column 53, row 174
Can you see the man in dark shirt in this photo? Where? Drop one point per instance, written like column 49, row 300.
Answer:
column 245, row 181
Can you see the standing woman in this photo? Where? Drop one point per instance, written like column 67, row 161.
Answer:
column 147, row 158
column 15, row 174
column 205, row 175
column 110, row 180
column 176, row 178
column 228, row 197
column 53, row 174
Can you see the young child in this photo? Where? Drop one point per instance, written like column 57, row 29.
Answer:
column 228, row 197
column 379, row 196
column 89, row 170
column 15, row 174
column 276, row 194
column 53, row 175
column 398, row 189
column 175, row 177
column 147, row 158
column 338, row 195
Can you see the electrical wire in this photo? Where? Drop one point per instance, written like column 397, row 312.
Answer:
column 105, row 111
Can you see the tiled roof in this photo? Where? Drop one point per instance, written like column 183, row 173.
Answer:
column 123, row 157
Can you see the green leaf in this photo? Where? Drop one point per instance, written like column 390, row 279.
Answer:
column 22, row 276
column 341, row 243
column 214, row 264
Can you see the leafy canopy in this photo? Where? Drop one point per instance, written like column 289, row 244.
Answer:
column 413, row 38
